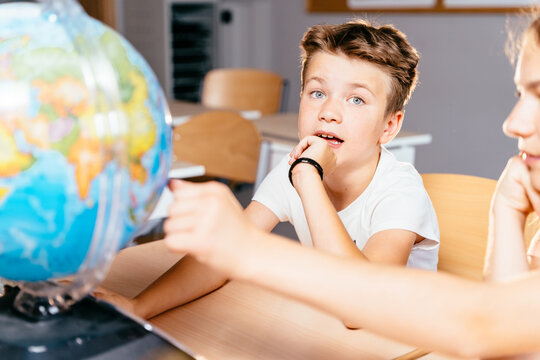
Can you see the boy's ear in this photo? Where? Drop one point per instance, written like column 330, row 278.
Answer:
column 391, row 127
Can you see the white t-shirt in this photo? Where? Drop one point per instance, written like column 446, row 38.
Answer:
column 394, row 199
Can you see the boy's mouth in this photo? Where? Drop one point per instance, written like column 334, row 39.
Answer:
column 331, row 139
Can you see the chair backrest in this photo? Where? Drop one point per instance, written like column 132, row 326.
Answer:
column 223, row 141
column 462, row 205
column 242, row 89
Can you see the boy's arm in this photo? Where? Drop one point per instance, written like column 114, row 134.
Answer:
column 187, row 279
column 328, row 232
column 262, row 217
column 391, row 246
column 474, row 317
column 326, row 228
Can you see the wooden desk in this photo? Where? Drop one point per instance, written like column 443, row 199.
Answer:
column 181, row 111
column 184, row 169
column 240, row 321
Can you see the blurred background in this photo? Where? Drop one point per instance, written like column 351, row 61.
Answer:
column 466, row 80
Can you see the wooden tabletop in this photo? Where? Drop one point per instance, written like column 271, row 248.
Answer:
column 241, row 321
column 181, row 111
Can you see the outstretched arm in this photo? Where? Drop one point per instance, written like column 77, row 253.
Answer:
column 431, row 310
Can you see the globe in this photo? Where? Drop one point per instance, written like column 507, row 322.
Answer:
column 85, row 142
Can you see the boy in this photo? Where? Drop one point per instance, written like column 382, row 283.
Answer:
column 347, row 194
column 356, row 79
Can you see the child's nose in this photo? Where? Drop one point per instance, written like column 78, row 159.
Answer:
column 521, row 122
column 330, row 112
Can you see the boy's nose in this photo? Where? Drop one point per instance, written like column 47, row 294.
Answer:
column 330, row 112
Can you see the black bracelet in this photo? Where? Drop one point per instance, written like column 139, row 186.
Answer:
column 307, row 161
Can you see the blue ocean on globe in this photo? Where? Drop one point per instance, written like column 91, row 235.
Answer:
column 85, row 142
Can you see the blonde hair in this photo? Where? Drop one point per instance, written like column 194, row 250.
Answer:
column 525, row 25
column 384, row 46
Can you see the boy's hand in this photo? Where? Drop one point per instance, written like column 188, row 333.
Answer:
column 514, row 190
column 315, row 148
column 206, row 221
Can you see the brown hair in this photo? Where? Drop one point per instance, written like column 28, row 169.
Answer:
column 384, row 46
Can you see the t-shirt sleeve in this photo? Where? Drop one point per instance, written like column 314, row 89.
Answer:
column 409, row 209
column 272, row 192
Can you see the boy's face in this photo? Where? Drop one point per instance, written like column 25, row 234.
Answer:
column 346, row 99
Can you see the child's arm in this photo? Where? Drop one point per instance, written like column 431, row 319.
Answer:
column 513, row 200
column 262, row 217
column 326, row 228
column 404, row 304
column 187, row 279
column 327, row 231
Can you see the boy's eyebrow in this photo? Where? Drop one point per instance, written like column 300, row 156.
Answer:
column 353, row 85
column 361, row 85
column 315, row 78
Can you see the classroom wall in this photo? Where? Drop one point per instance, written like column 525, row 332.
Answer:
column 466, row 82
column 465, row 90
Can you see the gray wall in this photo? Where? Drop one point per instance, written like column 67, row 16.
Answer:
column 466, row 82
column 465, row 90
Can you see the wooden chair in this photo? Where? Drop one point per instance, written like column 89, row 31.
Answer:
column 223, row 141
column 462, row 205
column 243, row 89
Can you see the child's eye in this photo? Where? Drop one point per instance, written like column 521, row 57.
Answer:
column 356, row 100
column 316, row 94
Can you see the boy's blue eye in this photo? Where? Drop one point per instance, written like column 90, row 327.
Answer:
column 317, row 94
column 356, row 100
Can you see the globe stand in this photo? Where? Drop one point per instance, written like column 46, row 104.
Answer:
column 88, row 329
column 39, row 307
